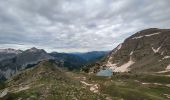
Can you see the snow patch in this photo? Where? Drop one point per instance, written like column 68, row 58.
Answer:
column 166, row 57
column 119, row 46
column 131, row 53
column 166, row 70
column 109, row 64
column 146, row 35
column 124, row 67
column 23, row 88
column 162, row 53
column 93, row 87
column 163, row 71
column 145, row 83
column 156, row 50
column 167, row 95
column 3, row 93
column 87, row 84
column 137, row 37
column 153, row 34
column 168, row 67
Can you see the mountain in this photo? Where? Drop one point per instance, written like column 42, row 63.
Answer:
column 70, row 61
column 92, row 56
column 12, row 61
column 46, row 81
column 78, row 60
column 146, row 51
column 19, row 61
column 8, row 53
column 138, row 69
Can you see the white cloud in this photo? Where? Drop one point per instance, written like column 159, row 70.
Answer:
column 74, row 25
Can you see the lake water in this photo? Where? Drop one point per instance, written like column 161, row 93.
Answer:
column 105, row 72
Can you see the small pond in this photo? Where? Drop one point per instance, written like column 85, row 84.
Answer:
column 105, row 72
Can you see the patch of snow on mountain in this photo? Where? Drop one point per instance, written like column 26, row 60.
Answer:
column 109, row 64
column 93, row 87
column 166, row 57
column 162, row 53
column 23, row 88
column 153, row 34
column 168, row 67
column 137, row 37
column 118, row 47
column 131, row 53
column 146, row 35
column 3, row 93
column 124, row 67
column 156, row 50
column 83, row 82
column 163, row 71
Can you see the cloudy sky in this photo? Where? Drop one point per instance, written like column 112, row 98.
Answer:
column 77, row 25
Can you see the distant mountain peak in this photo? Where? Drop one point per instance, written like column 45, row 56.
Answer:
column 10, row 50
column 34, row 49
column 11, row 63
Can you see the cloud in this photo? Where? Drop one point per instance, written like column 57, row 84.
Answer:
column 74, row 25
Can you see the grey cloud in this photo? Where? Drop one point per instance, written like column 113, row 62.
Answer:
column 75, row 25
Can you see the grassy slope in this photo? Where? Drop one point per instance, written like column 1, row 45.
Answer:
column 134, row 87
column 47, row 82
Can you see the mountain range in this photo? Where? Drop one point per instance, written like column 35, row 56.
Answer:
column 137, row 69
column 13, row 61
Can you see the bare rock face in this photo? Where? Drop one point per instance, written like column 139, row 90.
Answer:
column 8, row 53
column 16, row 61
column 145, row 51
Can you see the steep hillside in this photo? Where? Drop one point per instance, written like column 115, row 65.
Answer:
column 19, row 61
column 46, row 81
column 145, row 51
